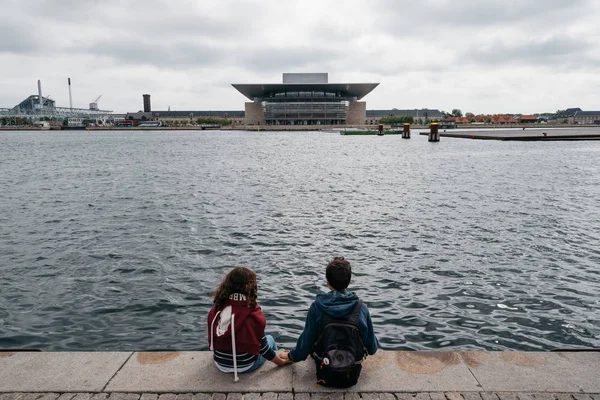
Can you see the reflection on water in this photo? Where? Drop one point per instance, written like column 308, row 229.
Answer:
column 115, row 241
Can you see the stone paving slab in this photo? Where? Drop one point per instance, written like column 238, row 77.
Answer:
column 309, row 396
column 586, row 368
column 535, row 371
column 397, row 371
column 58, row 372
column 183, row 372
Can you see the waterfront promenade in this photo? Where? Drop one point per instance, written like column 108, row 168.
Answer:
column 389, row 375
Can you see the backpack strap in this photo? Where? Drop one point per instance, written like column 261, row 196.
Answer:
column 354, row 317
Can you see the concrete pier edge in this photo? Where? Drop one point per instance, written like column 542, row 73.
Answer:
column 389, row 375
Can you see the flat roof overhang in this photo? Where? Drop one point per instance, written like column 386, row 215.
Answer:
column 252, row 91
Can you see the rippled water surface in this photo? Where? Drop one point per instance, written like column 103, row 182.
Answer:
column 116, row 240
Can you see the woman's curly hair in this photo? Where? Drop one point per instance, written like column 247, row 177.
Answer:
column 238, row 280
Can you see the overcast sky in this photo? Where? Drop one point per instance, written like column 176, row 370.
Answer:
column 482, row 56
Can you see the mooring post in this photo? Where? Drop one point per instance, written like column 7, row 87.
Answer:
column 406, row 132
column 434, row 134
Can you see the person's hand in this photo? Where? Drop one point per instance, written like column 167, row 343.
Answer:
column 282, row 358
column 284, row 354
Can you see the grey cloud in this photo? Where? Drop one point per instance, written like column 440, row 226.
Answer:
column 16, row 39
column 145, row 18
column 292, row 58
column 469, row 13
column 165, row 55
column 174, row 54
column 550, row 52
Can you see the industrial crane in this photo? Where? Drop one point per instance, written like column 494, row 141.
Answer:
column 94, row 104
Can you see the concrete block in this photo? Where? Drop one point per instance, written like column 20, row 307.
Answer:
column 404, row 371
column 488, row 396
column 579, row 396
column 48, row 396
column 473, row 396
column 194, row 372
column 149, row 396
column 329, row 396
column 545, row 396
column 534, row 371
column 405, row 396
column 124, row 396
column 28, row 396
column 527, row 396
column 58, row 372
column 367, row 396
column 352, row 396
column 560, row 396
column 507, row 396
column 103, row 396
column 167, row 396
column 269, row 396
column 83, row 396
column 437, row 396
column 235, row 396
column 422, row 396
column 66, row 396
column 584, row 368
column 285, row 396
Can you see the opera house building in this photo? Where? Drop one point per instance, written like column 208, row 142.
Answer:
column 305, row 99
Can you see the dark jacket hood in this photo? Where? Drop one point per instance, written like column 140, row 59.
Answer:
column 336, row 304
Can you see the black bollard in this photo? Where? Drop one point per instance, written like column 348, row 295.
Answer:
column 406, row 132
column 434, row 134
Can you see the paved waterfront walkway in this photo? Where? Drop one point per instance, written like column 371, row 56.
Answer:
column 471, row 375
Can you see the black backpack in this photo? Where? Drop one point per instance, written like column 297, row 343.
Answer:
column 339, row 350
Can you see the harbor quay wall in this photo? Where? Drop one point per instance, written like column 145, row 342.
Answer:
column 389, row 375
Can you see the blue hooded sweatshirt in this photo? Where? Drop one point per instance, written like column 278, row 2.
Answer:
column 337, row 305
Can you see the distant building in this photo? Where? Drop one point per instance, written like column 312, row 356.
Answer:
column 236, row 116
column 140, row 116
column 585, row 118
column 569, row 112
column 373, row 116
column 528, row 119
column 33, row 103
column 305, row 99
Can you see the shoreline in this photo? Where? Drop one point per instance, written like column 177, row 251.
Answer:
column 474, row 372
column 282, row 128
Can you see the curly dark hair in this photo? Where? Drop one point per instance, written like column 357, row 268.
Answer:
column 338, row 273
column 238, row 280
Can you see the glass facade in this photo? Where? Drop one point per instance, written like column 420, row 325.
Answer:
column 305, row 108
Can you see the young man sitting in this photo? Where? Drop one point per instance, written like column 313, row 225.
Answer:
column 338, row 330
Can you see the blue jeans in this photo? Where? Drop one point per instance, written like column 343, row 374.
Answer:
column 261, row 360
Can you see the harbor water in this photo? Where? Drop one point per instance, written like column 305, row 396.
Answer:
column 117, row 240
